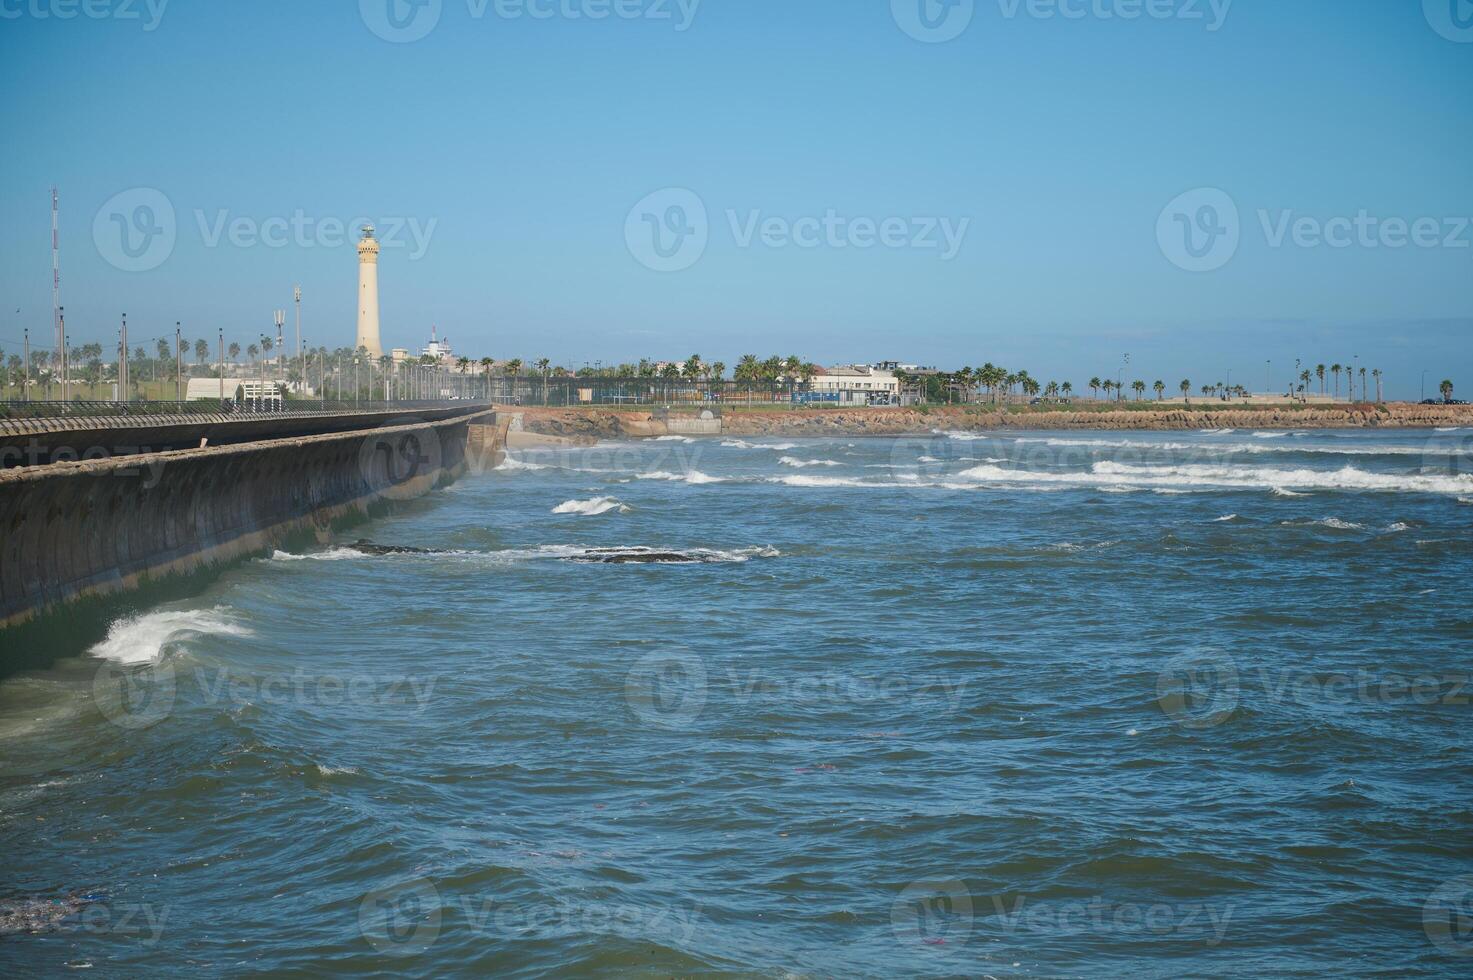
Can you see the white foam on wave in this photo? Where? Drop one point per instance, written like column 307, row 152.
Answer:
column 697, row 555
column 743, row 444
column 962, row 436
column 801, row 463
column 511, row 463
column 590, row 508
column 1217, row 432
column 1398, row 526
column 1228, row 448
column 1224, row 517
column 686, row 439
column 141, row 639
column 331, row 554
column 1107, row 473
column 689, row 476
column 1330, row 522
column 1281, row 492
column 1450, row 428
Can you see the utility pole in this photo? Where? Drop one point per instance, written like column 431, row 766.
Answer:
column 56, row 287
column 297, row 302
column 61, row 320
column 26, row 382
column 222, row 365
column 280, row 316
column 178, row 362
column 123, row 360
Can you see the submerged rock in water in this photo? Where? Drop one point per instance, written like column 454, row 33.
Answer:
column 643, row 556
column 40, row 914
column 369, row 548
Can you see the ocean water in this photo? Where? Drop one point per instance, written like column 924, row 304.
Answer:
column 1040, row 705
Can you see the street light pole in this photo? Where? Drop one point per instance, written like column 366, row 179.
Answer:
column 178, row 363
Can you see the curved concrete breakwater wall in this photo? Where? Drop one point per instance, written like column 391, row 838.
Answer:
column 92, row 528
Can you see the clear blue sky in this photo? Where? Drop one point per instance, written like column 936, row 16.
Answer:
column 526, row 142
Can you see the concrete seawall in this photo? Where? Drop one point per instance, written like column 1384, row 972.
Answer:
column 86, row 529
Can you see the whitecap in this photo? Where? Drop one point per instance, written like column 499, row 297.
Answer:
column 512, row 463
column 331, row 554
column 590, row 508
column 689, row 476
column 142, row 638
column 800, row 463
column 672, row 439
column 1109, row 473
column 1224, row 517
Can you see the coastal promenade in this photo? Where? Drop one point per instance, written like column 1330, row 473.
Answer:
column 110, row 504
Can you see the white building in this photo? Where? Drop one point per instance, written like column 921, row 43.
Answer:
column 854, row 384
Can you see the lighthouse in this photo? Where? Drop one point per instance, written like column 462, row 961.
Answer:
column 368, row 294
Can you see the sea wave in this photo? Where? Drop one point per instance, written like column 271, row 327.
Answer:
column 689, row 476
column 590, row 508
column 511, row 463
column 801, row 463
column 743, row 444
column 1230, row 476
column 672, row 439
column 140, row 639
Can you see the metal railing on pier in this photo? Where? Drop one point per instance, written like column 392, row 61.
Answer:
column 13, row 409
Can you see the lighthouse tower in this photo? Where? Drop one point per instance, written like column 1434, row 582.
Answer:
column 368, row 294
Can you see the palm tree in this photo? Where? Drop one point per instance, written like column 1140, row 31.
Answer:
column 1160, row 389
column 542, row 364
column 1335, row 369
column 1304, row 378
column 1139, row 387
column 513, row 367
column 1186, row 389
column 1377, row 375
column 718, row 369
column 1068, row 389
column 1319, row 371
column 234, row 350
column 1447, row 390
column 1363, row 394
column 691, row 369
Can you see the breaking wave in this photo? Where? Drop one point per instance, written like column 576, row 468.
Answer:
column 140, row 639
column 1246, row 477
column 590, row 508
column 801, row 463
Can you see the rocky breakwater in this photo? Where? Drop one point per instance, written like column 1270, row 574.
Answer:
column 587, row 424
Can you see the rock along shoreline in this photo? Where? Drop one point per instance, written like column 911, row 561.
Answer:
column 582, row 425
